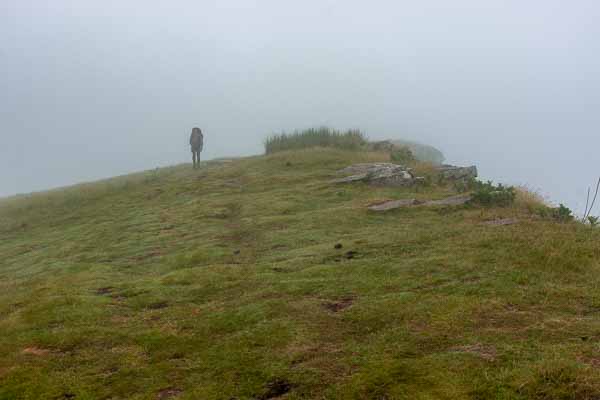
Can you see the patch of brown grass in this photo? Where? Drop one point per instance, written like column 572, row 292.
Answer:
column 529, row 200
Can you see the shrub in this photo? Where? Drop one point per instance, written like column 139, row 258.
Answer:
column 562, row 213
column 319, row 137
column 488, row 194
column 403, row 155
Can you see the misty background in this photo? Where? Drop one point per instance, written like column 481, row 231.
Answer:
column 92, row 89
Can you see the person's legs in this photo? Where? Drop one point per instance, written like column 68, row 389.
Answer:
column 194, row 158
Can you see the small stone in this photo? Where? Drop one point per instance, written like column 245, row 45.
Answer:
column 338, row 246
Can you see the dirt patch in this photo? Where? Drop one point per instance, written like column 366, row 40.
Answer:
column 120, row 319
column 104, row 290
column 349, row 255
column 488, row 353
column 3, row 372
column 593, row 361
column 168, row 393
column 36, row 351
column 340, row 305
column 275, row 388
column 157, row 305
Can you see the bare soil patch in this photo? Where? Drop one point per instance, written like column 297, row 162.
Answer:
column 104, row 290
column 168, row 393
column 340, row 305
column 158, row 305
column 275, row 388
column 36, row 351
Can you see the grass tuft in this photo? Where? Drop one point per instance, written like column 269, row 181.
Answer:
column 316, row 137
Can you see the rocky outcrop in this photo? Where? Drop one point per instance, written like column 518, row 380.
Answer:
column 451, row 172
column 388, row 174
column 379, row 174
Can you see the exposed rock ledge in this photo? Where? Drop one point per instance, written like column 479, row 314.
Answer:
column 388, row 174
column 394, row 204
column 381, row 174
column 451, row 172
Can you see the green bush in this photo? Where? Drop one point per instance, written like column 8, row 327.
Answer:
column 403, row 156
column 488, row 194
column 562, row 213
column 316, row 137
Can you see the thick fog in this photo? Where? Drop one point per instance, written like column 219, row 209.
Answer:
column 91, row 89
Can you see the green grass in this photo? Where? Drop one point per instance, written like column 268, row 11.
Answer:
column 224, row 283
column 319, row 137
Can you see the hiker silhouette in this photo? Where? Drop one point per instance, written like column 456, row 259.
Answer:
column 197, row 144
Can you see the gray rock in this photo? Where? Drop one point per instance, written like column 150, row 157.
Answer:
column 391, row 177
column 352, row 178
column 367, row 168
column 452, row 172
column 449, row 201
column 380, row 174
column 392, row 205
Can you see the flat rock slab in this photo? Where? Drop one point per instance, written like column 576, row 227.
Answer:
column 502, row 222
column 394, row 204
column 449, row 201
column 391, row 205
column 352, row 178
column 367, row 168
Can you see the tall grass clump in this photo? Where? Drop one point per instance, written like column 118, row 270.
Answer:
column 315, row 137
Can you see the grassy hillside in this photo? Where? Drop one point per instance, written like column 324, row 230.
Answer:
column 225, row 283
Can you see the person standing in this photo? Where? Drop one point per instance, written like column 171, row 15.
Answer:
column 197, row 144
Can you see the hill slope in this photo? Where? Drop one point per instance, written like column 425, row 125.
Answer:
column 225, row 283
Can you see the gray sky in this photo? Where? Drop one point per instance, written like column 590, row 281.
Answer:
column 91, row 89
